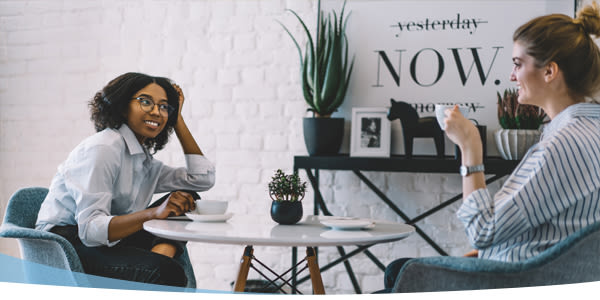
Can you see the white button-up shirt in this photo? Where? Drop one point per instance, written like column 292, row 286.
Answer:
column 554, row 191
column 110, row 174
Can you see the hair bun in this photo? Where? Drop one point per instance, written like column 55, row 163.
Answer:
column 589, row 18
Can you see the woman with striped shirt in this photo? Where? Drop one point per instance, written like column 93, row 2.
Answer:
column 555, row 190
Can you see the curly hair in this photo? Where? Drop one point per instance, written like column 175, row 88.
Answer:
column 109, row 107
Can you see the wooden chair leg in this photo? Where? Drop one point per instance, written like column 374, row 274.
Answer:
column 315, row 273
column 240, row 282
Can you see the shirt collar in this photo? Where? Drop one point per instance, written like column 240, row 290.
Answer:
column 132, row 143
column 579, row 110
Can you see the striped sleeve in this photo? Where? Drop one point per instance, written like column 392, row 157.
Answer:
column 487, row 222
column 553, row 176
column 490, row 221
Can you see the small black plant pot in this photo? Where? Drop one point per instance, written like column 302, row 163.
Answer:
column 286, row 212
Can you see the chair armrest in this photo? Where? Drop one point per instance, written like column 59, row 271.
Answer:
column 559, row 264
column 9, row 230
column 45, row 242
column 457, row 273
column 469, row 264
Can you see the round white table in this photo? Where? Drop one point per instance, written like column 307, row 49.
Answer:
column 262, row 231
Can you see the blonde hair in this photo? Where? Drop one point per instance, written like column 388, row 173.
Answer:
column 567, row 42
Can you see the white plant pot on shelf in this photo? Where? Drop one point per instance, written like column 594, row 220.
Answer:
column 512, row 144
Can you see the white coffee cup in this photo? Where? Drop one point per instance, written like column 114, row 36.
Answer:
column 440, row 110
column 211, row 207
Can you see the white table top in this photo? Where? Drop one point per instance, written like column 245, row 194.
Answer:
column 262, row 231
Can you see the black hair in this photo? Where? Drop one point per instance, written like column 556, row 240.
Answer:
column 110, row 106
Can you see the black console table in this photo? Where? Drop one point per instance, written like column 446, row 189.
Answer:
column 495, row 166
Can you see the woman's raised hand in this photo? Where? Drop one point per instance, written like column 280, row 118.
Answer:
column 463, row 133
column 181, row 97
column 460, row 130
column 186, row 139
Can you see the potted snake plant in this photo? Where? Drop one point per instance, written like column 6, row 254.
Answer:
column 325, row 72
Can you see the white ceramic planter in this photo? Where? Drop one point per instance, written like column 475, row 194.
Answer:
column 512, row 144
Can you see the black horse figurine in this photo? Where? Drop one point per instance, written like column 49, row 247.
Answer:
column 413, row 126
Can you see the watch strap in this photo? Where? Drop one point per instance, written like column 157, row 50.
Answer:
column 473, row 169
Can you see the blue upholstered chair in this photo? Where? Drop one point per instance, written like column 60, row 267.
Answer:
column 48, row 248
column 573, row 260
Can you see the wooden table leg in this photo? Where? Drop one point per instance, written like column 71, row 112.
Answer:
column 315, row 273
column 240, row 282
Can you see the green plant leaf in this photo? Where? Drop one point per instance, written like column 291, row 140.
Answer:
column 512, row 115
column 324, row 66
column 309, row 59
column 284, row 187
column 333, row 68
column 306, row 89
column 295, row 42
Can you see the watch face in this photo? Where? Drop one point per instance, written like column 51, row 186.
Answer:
column 462, row 170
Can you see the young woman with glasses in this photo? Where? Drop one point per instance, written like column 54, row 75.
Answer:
column 99, row 198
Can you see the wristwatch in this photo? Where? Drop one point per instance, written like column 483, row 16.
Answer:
column 466, row 170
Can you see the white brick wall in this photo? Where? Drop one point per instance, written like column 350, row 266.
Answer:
column 239, row 71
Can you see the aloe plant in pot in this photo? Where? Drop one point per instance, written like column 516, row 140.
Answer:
column 325, row 73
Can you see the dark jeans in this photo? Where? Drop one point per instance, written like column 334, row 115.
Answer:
column 132, row 258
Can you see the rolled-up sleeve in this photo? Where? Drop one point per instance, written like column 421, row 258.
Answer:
column 90, row 182
column 487, row 222
column 198, row 175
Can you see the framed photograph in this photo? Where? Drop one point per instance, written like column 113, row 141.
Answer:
column 370, row 133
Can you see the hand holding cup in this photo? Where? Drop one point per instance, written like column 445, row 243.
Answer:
column 440, row 113
column 460, row 130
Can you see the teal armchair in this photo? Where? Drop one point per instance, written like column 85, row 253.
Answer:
column 573, row 260
column 50, row 249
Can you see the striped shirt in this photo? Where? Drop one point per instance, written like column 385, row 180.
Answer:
column 552, row 193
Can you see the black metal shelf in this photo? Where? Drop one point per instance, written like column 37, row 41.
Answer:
column 399, row 163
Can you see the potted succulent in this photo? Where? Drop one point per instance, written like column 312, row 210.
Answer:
column 325, row 73
column 520, row 125
column 287, row 192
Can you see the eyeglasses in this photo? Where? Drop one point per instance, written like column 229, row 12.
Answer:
column 147, row 105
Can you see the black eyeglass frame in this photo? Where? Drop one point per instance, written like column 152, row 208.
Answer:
column 169, row 108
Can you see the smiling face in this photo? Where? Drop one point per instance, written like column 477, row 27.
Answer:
column 529, row 78
column 147, row 124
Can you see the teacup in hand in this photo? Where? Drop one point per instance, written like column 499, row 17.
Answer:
column 211, row 207
column 440, row 114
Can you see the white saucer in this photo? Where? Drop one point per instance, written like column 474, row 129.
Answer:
column 345, row 234
column 347, row 224
column 209, row 218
